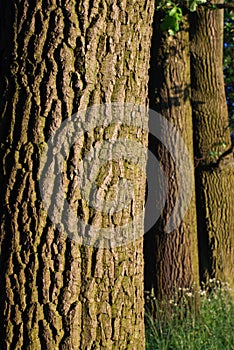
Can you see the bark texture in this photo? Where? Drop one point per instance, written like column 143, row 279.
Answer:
column 56, row 57
column 172, row 258
column 214, row 170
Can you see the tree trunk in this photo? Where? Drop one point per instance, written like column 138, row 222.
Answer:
column 58, row 57
column 171, row 257
column 214, row 163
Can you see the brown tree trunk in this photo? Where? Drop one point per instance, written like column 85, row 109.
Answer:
column 172, row 257
column 214, row 165
column 58, row 57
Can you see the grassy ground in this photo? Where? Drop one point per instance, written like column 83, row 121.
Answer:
column 213, row 329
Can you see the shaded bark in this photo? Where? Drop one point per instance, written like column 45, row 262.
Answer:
column 171, row 261
column 214, row 171
column 56, row 57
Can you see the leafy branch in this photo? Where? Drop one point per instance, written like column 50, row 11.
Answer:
column 174, row 15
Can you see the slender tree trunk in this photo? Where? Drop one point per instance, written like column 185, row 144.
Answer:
column 214, row 164
column 171, row 258
column 58, row 57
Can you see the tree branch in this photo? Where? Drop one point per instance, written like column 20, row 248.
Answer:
column 220, row 6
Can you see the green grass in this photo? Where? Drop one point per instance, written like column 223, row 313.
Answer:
column 212, row 329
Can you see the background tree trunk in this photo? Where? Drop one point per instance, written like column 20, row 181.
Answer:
column 171, row 259
column 214, row 171
column 56, row 57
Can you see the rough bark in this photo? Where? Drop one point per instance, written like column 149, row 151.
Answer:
column 56, row 57
column 214, row 170
column 171, row 259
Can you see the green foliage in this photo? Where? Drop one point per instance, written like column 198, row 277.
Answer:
column 212, row 329
column 193, row 4
column 214, row 154
column 174, row 14
column 218, row 150
column 171, row 20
